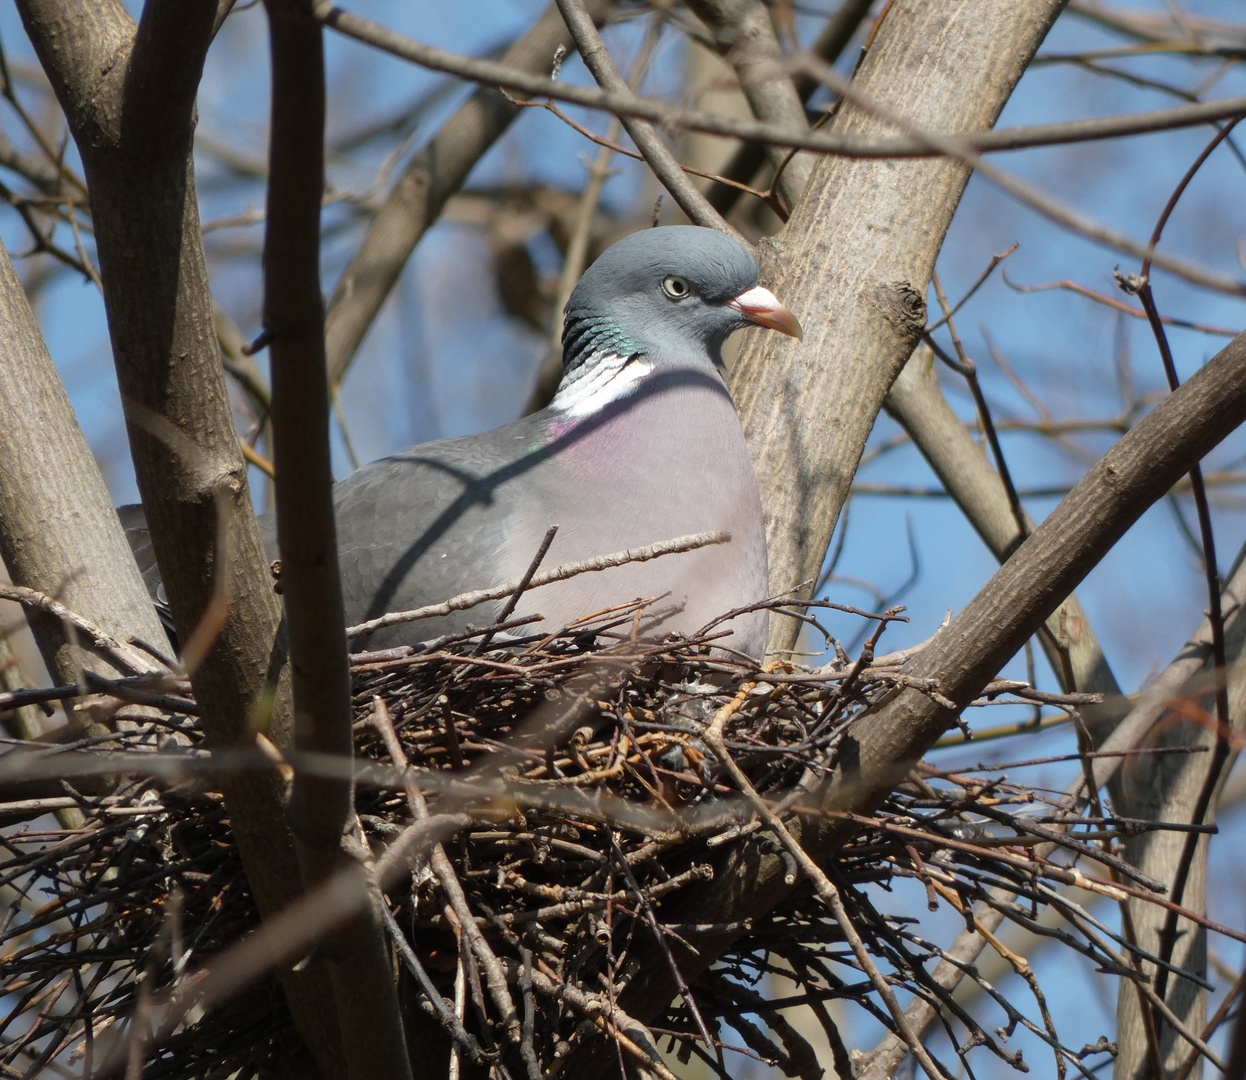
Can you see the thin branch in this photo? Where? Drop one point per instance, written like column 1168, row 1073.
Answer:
column 663, row 163
column 420, row 194
column 373, row 1038
column 677, row 117
column 559, row 573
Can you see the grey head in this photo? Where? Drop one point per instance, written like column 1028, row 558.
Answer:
column 673, row 292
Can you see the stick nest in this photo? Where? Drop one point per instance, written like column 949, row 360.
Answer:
column 600, row 816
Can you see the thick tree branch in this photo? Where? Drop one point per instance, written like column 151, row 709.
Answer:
column 128, row 94
column 854, row 263
column 311, row 584
column 320, row 806
column 968, row 652
column 58, row 530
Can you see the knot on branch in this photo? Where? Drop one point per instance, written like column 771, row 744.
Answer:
column 904, row 306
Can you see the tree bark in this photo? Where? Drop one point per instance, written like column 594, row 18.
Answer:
column 1167, row 788
column 59, row 532
column 882, row 744
column 128, row 94
column 311, row 583
column 854, row 263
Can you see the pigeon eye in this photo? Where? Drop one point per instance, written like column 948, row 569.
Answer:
column 676, row 287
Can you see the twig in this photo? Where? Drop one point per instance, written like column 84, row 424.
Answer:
column 559, row 573
column 1168, row 934
column 442, row 867
column 125, row 657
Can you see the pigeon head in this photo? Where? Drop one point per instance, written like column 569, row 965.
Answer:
column 676, row 292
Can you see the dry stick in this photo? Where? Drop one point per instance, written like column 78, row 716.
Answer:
column 541, row 551
column 1158, row 1003
column 284, row 937
column 610, row 1019
column 596, row 58
column 442, row 867
column 826, row 890
column 559, row 573
column 647, row 904
column 996, row 260
column 967, row 369
column 1116, row 305
column 445, row 1015
column 124, row 656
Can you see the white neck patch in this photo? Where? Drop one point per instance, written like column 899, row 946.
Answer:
column 602, row 378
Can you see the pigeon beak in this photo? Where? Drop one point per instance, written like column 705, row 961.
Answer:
column 762, row 307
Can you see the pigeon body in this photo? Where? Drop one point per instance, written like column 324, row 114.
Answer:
column 641, row 444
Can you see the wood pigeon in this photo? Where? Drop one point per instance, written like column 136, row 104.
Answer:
column 640, row 444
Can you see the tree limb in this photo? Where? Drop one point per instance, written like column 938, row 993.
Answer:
column 808, row 411
column 320, row 805
column 59, row 533
column 128, row 94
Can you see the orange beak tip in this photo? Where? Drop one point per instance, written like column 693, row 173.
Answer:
column 762, row 308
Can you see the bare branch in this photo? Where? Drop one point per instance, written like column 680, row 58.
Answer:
column 320, row 806
column 848, row 145
column 597, row 59
column 419, row 196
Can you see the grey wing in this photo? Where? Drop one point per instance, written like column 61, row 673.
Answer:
column 430, row 523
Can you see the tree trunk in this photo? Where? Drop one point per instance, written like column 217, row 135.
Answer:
column 129, row 96
column 854, row 263
column 59, row 532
